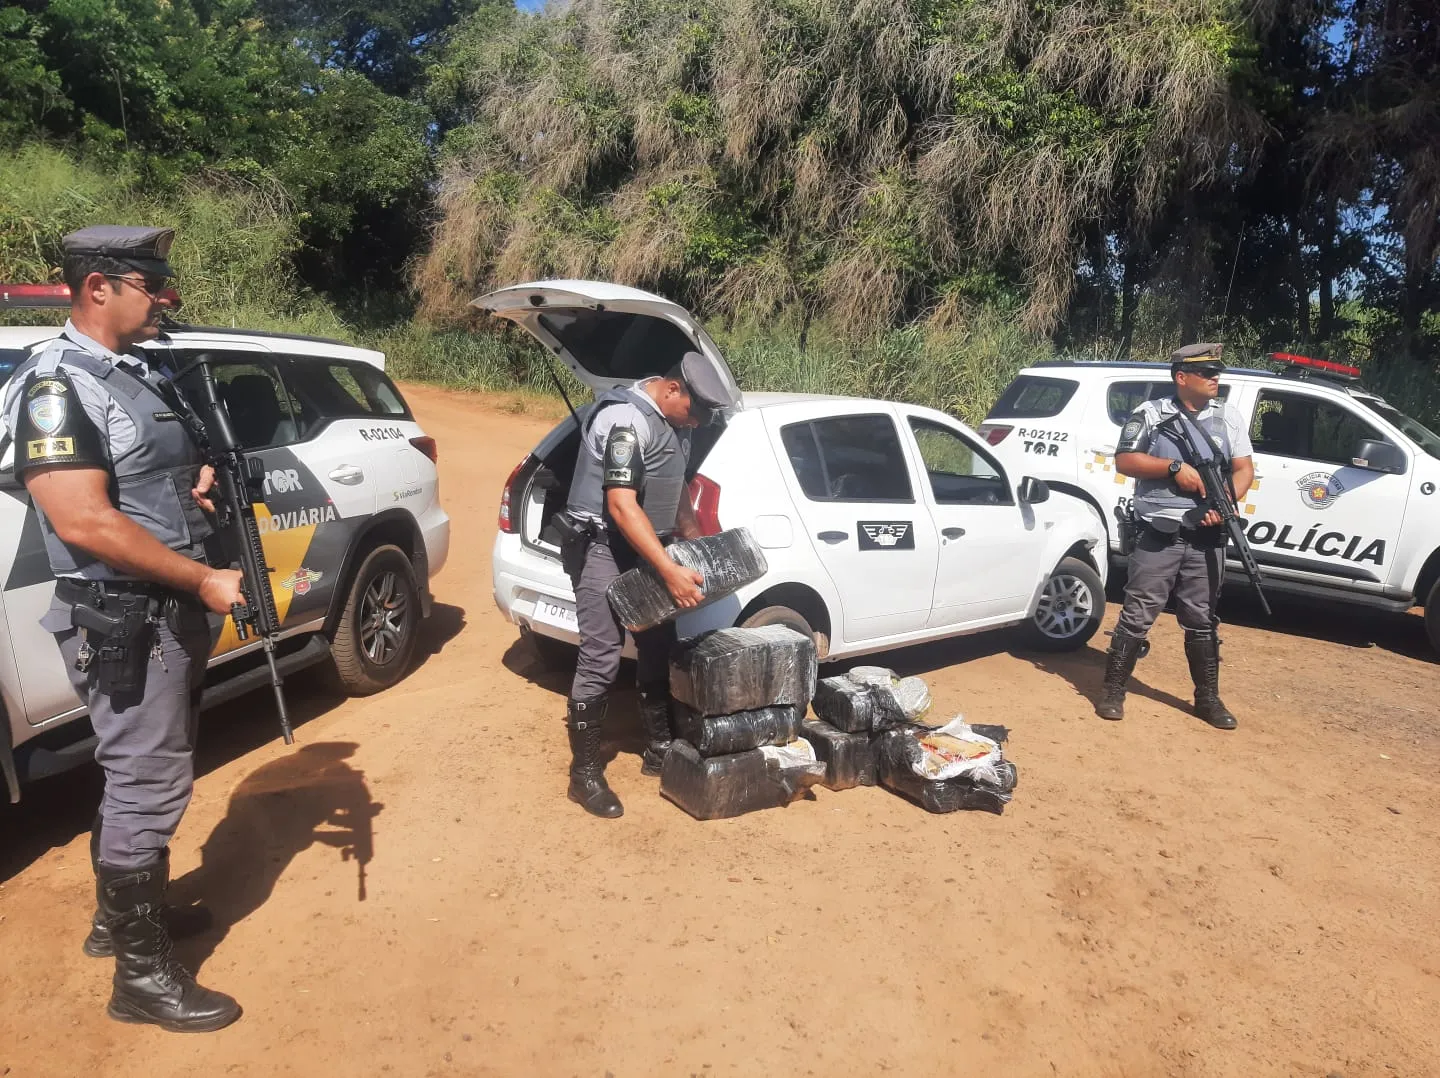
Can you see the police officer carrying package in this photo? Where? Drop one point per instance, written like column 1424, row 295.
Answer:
column 1180, row 545
column 107, row 450
column 627, row 499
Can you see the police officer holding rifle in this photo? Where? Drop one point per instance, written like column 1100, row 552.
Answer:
column 109, row 452
column 1180, row 535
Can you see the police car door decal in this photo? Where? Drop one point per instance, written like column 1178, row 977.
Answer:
column 886, row 534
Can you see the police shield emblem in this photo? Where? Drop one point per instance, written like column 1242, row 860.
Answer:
column 47, row 412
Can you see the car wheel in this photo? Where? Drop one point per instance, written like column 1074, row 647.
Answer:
column 553, row 654
column 780, row 615
column 1069, row 610
column 1432, row 616
column 375, row 640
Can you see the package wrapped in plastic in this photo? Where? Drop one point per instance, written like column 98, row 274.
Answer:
column 849, row 759
column 913, row 696
column 718, row 787
column 856, row 707
column 720, row 735
column 728, row 561
column 903, row 762
column 732, row 670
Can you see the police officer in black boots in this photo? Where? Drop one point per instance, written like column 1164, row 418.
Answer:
column 627, row 500
column 1180, row 545
column 108, row 451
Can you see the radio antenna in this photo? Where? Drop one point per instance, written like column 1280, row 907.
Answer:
column 1234, row 265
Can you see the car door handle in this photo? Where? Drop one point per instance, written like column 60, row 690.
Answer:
column 348, row 474
column 952, row 533
column 832, row 537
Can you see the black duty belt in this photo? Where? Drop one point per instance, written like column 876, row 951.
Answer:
column 71, row 590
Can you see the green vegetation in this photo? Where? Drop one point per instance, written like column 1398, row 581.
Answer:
column 904, row 198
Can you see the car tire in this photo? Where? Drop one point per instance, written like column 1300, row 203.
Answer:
column 380, row 625
column 1432, row 616
column 553, row 654
column 1069, row 610
column 779, row 615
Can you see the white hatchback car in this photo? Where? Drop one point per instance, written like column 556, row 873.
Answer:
column 883, row 524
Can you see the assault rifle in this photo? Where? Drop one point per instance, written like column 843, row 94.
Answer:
column 1220, row 496
column 241, row 484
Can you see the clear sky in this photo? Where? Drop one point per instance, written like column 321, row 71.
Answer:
column 529, row 5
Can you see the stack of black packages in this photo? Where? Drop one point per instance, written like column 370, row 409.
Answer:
column 852, row 711
column 740, row 696
column 728, row 561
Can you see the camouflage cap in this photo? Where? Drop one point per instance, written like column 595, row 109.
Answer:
column 144, row 249
column 1194, row 356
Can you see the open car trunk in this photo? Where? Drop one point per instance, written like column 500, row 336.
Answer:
column 543, row 487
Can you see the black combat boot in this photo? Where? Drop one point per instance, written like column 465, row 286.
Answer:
column 1125, row 651
column 588, row 788
column 1203, row 650
column 655, row 717
column 181, row 922
column 151, row 986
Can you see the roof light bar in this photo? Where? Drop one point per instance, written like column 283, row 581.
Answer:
column 16, row 296
column 1323, row 365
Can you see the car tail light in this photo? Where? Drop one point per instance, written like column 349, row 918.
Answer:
column 507, row 522
column 427, row 446
column 705, row 498
column 994, row 433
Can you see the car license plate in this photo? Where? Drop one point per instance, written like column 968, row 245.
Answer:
column 561, row 615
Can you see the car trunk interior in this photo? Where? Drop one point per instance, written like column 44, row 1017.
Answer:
column 547, row 488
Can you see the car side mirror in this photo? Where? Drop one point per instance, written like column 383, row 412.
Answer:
column 1379, row 457
column 1034, row 491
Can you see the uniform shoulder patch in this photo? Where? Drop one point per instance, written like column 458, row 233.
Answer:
column 52, row 426
column 1131, row 430
column 620, row 466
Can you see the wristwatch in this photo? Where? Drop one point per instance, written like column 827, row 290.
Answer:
column 1175, row 467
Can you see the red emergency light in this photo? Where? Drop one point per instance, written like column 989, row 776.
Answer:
column 15, row 296
column 1324, row 366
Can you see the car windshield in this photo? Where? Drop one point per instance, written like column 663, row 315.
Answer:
column 1413, row 429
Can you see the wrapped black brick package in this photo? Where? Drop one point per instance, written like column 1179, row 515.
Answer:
column 728, row 561
column 857, row 708
column 719, row 735
column 899, row 751
column 718, row 787
column 849, row 759
column 732, row 670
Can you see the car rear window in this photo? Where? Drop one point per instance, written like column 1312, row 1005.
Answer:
column 853, row 458
column 344, row 389
column 1033, row 397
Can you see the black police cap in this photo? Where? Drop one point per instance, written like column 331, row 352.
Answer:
column 144, row 249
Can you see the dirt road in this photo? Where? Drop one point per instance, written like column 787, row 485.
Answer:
column 1159, row 899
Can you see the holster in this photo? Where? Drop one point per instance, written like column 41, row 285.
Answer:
column 1127, row 529
column 121, row 631
column 575, row 538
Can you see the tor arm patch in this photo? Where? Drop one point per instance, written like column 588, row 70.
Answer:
column 623, row 467
column 1134, row 436
column 51, row 426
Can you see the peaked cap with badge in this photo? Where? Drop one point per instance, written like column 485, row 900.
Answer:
column 1196, row 357
column 145, row 250
column 708, row 392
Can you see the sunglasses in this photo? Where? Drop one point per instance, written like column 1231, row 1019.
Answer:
column 151, row 286
column 1206, row 372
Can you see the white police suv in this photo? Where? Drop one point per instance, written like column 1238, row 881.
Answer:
column 352, row 527
column 1345, row 504
column 883, row 524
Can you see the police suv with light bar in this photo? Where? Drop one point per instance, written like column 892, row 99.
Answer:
column 1346, row 501
column 351, row 526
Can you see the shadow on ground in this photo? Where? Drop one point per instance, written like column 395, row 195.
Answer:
column 53, row 811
